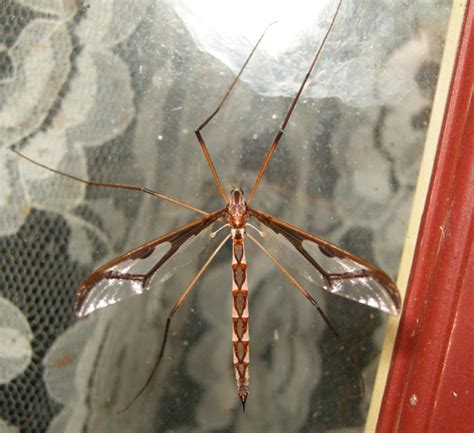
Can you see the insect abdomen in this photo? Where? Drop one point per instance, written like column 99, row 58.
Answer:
column 240, row 317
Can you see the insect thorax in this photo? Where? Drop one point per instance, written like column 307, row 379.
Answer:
column 237, row 210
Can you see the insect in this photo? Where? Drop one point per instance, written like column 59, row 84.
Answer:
column 289, row 248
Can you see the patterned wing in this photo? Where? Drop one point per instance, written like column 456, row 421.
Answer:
column 132, row 273
column 328, row 266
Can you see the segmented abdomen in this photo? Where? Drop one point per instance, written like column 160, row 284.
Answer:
column 240, row 316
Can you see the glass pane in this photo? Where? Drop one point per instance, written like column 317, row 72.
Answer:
column 113, row 91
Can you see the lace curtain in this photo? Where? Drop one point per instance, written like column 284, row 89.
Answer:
column 112, row 90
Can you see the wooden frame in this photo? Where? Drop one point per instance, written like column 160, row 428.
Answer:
column 430, row 383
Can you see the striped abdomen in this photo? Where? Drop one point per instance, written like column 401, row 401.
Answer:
column 240, row 315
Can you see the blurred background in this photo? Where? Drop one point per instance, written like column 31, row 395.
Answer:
column 112, row 91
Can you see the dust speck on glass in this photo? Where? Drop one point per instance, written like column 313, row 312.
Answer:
column 112, row 91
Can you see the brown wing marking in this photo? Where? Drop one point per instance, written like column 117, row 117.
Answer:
column 136, row 268
column 331, row 267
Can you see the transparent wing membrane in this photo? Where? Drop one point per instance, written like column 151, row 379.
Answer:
column 327, row 266
column 121, row 281
column 132, row 273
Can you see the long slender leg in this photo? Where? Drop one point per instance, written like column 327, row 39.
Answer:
column 277, row 138
column 209, row 118
column 318, row 307
column 168, row 323
column 113, row 185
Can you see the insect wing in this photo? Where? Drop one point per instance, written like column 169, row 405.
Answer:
column 132, row 273
column 328, row 266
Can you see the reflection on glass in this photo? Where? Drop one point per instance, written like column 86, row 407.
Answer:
column 123, row 106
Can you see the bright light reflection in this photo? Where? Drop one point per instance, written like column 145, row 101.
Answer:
column 245, row 20
column 230, row 32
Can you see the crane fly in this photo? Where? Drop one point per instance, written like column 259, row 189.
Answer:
column 291, row 249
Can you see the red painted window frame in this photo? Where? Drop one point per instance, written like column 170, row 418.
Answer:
column 430, row 387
